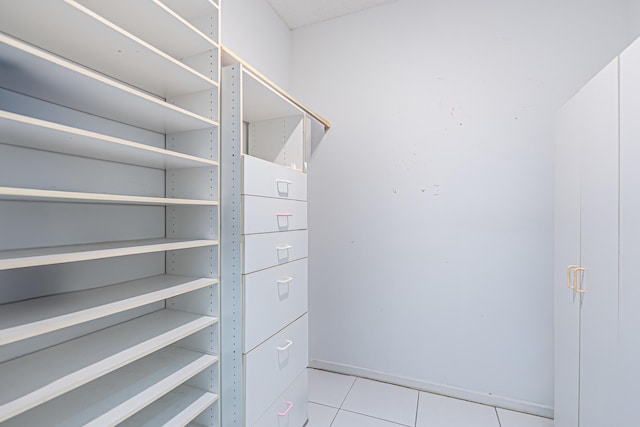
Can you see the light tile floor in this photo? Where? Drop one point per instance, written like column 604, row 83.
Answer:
column 337, row 400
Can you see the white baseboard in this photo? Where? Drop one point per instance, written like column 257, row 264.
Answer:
column 445, row 390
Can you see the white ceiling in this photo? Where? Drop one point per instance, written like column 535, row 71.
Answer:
column 298, row 13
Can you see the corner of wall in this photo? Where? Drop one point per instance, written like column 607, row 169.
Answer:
column 255, row 32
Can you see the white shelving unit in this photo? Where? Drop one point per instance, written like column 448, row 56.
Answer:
column 109, row 199
column 266, row 143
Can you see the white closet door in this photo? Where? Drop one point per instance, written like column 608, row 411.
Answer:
column 629, row 316
column 567, row 252
column 599, row 247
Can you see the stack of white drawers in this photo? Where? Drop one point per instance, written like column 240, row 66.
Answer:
column 274, row 267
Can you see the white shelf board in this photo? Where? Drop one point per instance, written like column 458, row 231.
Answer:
column 25, row 131
column 26, row 319
column 21, row 258
column 56, row 26
column 120, row 394
column 49, row 373
column 44, row 375
column 261, row 102
column 192, row 9
column 33, row 194
column 162, row 26
column 177, row 408
column 35, row 72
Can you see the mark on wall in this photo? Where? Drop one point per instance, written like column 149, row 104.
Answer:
column 435, row 190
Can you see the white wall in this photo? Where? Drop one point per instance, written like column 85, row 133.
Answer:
column 634, row 17
column 255, row 32
column 452, row 291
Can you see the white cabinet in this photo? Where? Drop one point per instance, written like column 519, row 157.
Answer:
column 597, row 226
column 266, row 139
column 587, row 252
column 567, row 253
column 109, row 213
column 628, row 371
column 599, row 250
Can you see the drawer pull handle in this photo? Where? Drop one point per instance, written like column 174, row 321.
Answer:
column 282, row 185
column 286, row 280
column 289, row 406
column 286, row 346
column 284, row 214
column 283, row 248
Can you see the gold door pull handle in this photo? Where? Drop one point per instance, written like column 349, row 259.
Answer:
column 575, row 280
column 571, row 267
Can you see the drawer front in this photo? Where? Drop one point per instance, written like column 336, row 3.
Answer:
column 267, row 250
column 263, row 178
column 273, row 298
column 291, row 408
column 272, row 366
column 266, row 215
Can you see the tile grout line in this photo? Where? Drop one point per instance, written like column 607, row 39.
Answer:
column 374, row 417
column 368, row 415
column 347, row 395
column 327, row 406
column 334, row 418
column 497, row 416
column 415, row 423
column 322, row 404
column 343, row 400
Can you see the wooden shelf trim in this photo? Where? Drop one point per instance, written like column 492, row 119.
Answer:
column 228, row 58
column 160, row 19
